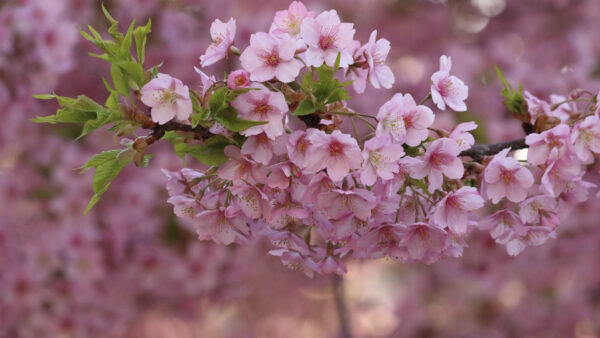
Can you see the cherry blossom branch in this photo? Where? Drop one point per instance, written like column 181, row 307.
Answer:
column 340, row 305
column 480, row 150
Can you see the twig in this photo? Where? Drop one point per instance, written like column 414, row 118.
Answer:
column 340, row 306
column 478, row 151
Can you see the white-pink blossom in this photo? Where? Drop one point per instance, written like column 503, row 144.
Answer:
column 267, row 58
column 380, row 158
column 452, row 211
column 222, row 34
column 262, row 105
column 505, row 177
column 447, row 89
column 402, row 120
column 287, row 23
column 440, row 158
column 337, row 152
column 326, row 37
column 549, row 145
column 168, row 97
column 585, row 138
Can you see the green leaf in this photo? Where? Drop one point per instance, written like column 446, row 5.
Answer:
column 140, row 35
column 211, row 152
column 336, row 64
column 99, row 159
column 230, row 120
column 119, row 80
column 513, row 100
column 306, row 107
column 108, row 165
column 218, row 100
column 113, row 30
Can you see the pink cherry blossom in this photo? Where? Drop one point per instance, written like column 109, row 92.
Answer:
column 452, row 211
column 337, row 152
column 261, row 148
column 295, row 261
column 337, row 203
column 222, row 35
column 549, row 145
column 536, row 107
column 223, row 226
column 539, row 210
column 380, row 158
column 440, row 158
column 533, row 236
column 297, row 145
column 559, row 173
column 402, row 120
column 585, row 138
column 326, row 37
column 240, row 169
column 184, row 206
column 238, row 79
column 268, row 58
column 207, row 81
column 168, row 97
column 287, row 23
column 251, row 201
column 423, row 242
column 262, row 105
column 503, row 225
column 461, row 135
column 448, row 89
column 505, row 177
column 374, row 54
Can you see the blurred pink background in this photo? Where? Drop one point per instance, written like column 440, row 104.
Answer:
column 127, row 269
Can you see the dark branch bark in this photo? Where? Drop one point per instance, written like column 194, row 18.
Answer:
column 340, row 306
column 481, row 150
column 159, row 130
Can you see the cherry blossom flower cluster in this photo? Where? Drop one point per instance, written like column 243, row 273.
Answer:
column 405, row 190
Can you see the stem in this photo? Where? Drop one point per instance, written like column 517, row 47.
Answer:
column 480, row 150
column 340, row 305
column 425, row 99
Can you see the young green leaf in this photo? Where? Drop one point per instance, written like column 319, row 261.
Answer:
column 230, row 120
column 306, row 107
column 140, row 35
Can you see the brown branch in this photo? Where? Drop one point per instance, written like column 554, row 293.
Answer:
column 478, row 151
column 341, row 306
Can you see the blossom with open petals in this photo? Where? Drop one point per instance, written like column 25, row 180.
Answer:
column 168, row 97
column 222, row 34
column 447, row 89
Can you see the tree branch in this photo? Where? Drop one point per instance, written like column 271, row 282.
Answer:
column 481, row 150
column 340, row 306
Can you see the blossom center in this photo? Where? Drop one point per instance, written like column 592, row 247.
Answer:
column 272, row 60
column 336, row 148
column 325, row 42
column 169, row 96
column 262, row 108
